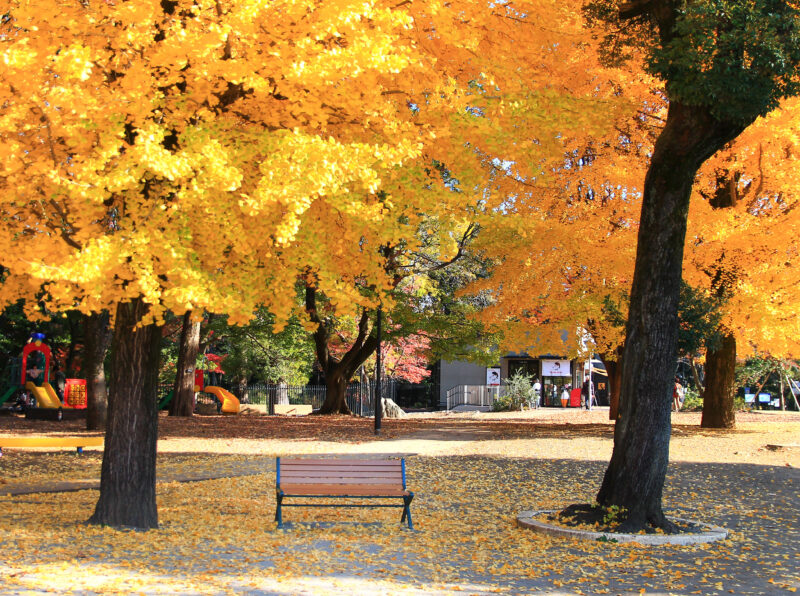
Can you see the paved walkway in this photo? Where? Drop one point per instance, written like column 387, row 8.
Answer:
column 220, row 538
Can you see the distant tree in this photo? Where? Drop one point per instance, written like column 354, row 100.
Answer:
column 256, row 352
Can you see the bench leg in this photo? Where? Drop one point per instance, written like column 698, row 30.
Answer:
column 407, row 511
column 278, row 517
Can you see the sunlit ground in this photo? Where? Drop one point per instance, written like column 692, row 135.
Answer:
column 471, row 473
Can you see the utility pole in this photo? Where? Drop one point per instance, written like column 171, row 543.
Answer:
column 378, row 401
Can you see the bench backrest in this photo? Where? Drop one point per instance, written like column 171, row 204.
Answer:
column 346, row 472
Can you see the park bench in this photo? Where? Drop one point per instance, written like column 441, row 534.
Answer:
column 376, row 479
column 22, row 442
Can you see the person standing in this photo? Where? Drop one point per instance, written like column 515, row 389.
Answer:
column 587, row 391
column 677, row 395
column 60, row 380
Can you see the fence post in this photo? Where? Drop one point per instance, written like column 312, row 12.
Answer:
column 270, row 401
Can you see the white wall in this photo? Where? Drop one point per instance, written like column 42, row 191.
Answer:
column 456, row 373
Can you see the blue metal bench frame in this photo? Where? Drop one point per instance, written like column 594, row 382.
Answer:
column 281, row 495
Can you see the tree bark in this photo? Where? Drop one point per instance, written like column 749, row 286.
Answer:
column 97, row 332
column 614, row 370
column 183, row 391
column 335, row 394
column 718, row 402
column 635, row 476
column 128, row 474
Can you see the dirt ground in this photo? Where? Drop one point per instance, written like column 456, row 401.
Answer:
column 472, row 473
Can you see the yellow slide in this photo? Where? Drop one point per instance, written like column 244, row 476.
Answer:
column 230, row 405
column 54, row 396
column 43, row 400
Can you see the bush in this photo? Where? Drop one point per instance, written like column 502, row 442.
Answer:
column 519, row 391
column 692, row 401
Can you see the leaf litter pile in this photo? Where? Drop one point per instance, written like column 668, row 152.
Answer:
column 471, row 473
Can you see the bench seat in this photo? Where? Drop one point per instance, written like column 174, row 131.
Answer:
column 342, row 478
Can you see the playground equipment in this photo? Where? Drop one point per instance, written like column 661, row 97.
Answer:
column 230, row 405
column 32, row 375
column 25, row 442
column 199, row 382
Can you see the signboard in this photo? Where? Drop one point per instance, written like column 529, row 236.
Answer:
column 555, row 368
column 493, row 376
column 75, row 393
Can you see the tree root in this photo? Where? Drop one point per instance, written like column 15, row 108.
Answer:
column 614, row 519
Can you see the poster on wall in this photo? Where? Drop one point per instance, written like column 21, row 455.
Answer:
column 555, row 368
column 493, row 376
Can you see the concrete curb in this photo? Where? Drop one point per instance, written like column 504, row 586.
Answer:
column 526, row 519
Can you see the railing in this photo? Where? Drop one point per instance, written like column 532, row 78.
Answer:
column 473, row 395
column 261, row 393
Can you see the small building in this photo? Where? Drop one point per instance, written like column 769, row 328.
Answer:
column 553, row 372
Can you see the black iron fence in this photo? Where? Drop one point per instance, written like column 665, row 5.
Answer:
column 359, row 396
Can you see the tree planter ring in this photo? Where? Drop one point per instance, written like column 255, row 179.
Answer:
column 709, row 533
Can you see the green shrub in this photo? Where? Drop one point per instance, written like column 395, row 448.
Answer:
column 692, row 401
column 519, row 391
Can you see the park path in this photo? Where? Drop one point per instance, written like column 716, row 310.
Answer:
column 431, row 442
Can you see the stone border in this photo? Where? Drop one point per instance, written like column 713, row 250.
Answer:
column 709, row 534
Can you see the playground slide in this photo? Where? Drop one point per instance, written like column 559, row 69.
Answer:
column 230, row 405
column 42, row 398
column 54, row 396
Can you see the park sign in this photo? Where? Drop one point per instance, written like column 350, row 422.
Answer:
column 555, row 368
column 493, row 376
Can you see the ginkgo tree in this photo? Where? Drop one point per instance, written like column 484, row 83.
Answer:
column 724, row 64
column 742, row 243
column 181, row 155
column 161, row 155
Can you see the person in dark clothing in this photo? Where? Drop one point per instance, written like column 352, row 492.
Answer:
column 587, row 393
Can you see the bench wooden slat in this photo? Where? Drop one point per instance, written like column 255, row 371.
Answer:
column 373, row 469
column 332, row 469
column 314, row 470
column 341, row 481
column 308, row 461
column 375, row 490
column 349, row 473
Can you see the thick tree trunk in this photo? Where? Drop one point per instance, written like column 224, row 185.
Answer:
column 183, row 391
column 128, row 474
column 97, row 332
column 696, row 375
column 718, row 403
column 635, row 476
column 614, row 369
column 335, row 394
